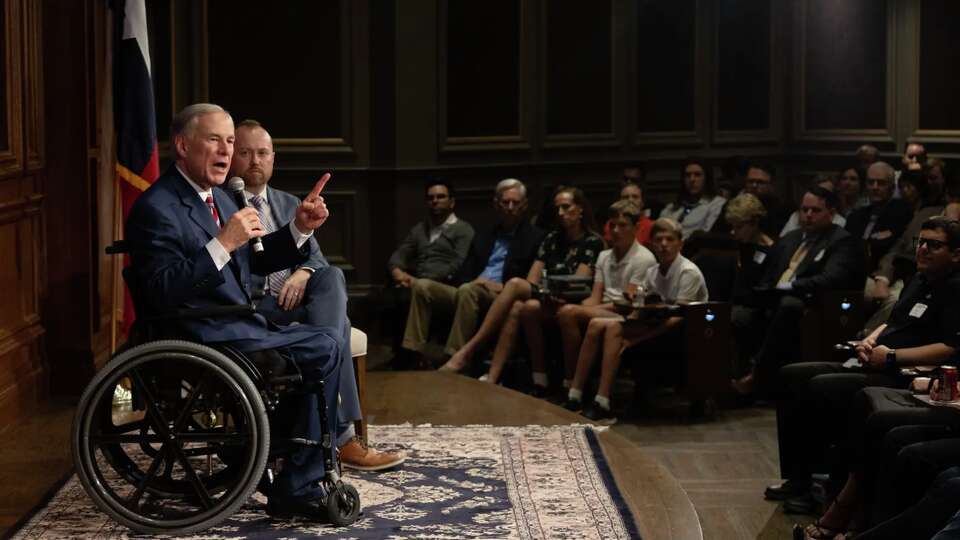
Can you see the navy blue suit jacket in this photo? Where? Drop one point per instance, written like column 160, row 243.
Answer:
column 283, row 208
column 168, row 229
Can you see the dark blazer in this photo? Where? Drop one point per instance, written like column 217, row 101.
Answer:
column 892, row 219
column 834, row 261
column 520, row 254
column 168, row 229
column 283, row 208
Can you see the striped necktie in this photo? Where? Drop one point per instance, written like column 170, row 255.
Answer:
column 275, row 280
column 213, row 210
column 795, row 261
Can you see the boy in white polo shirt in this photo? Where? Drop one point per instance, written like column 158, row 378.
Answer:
column 618, row 273
column 675, row 280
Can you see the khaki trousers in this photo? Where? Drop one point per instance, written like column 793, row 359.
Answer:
column 467, row 303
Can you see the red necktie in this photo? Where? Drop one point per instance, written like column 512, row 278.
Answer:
column 213, row 210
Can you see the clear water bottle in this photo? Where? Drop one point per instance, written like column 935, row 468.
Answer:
column 638, row 297
column 544, row 285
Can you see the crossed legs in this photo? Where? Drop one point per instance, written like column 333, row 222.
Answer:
column 500, row 311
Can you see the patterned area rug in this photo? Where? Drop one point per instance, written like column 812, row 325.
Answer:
column 458, row 482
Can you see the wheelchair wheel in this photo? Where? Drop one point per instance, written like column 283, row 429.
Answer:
column 343, row 505
column 155, row 465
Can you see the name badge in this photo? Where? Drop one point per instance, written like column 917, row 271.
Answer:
column 759, row 257
column 819, row 255
column 918, row 310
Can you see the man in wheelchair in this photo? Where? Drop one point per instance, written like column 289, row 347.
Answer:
column 189, row 249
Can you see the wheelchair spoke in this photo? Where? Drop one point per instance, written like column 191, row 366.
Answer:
column 192, row 477
column 160, row 424
column 188, row 406
column 134, row 498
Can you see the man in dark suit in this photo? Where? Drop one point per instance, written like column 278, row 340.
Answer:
column 881, row 223
column 495, row 255
column 312, row 292
column 817, row 257
column 189, row 249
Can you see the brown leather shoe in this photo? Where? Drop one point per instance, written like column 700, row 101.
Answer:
column 356, row 455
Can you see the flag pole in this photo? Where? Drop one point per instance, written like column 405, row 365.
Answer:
column 115, row 262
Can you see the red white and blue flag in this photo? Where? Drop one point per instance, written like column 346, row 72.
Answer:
column 134, row 115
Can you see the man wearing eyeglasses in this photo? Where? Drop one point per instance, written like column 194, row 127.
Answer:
column 923, row 329
column 759, row 182
column 434, row 250
column 313, row 292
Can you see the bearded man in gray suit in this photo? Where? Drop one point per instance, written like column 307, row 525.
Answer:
column 312, row 293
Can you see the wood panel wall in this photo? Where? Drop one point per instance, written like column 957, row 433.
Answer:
column 22, row 177
column 389, row 94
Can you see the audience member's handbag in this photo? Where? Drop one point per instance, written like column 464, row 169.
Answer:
column 572, row 289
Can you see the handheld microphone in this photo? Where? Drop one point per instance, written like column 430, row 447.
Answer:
column 236, row 186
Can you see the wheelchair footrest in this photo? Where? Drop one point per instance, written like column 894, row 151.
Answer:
column 309, row 442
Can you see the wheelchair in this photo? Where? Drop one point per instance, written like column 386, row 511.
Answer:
column 193, row 441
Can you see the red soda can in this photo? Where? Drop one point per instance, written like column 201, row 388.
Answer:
column 949, row 389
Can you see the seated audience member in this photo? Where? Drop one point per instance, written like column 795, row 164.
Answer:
column 888, row 278
column 759, row 182
column 433, row 249
column 913, row 189
column 850, row 192
column 734, row 171
column 697, row 206
column 633, row 193
column 881, row 223
column 620, row 270
column 936, row 182
column 313, row 292
column 898, row 447
column 914, row 157
column 571, row 248
column 497, row 255
column 827, row 182
column 921, row 330
column 866, row 156
column 636, row 173
column 819, row 257
column 189, row 249
column 675, row 280
column 936, row 516
column 744, row 213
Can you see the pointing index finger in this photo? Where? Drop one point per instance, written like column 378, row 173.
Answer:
column 319, row 187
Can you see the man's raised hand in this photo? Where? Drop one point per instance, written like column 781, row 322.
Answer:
column 312, row 212
column 243, row 225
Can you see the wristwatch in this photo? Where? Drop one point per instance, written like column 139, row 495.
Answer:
column 891, row 360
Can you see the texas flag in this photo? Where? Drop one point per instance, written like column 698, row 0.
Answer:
column 136, row 124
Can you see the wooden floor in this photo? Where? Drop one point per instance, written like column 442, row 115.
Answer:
column 682, row 480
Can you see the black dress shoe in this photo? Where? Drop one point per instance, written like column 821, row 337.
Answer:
column 804, row 504
column 786, row 490
column 290, row 507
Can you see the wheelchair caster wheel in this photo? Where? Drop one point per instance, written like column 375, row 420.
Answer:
column 343, row 505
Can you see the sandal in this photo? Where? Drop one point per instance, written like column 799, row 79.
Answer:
column 815, row 531
column 818, row 531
